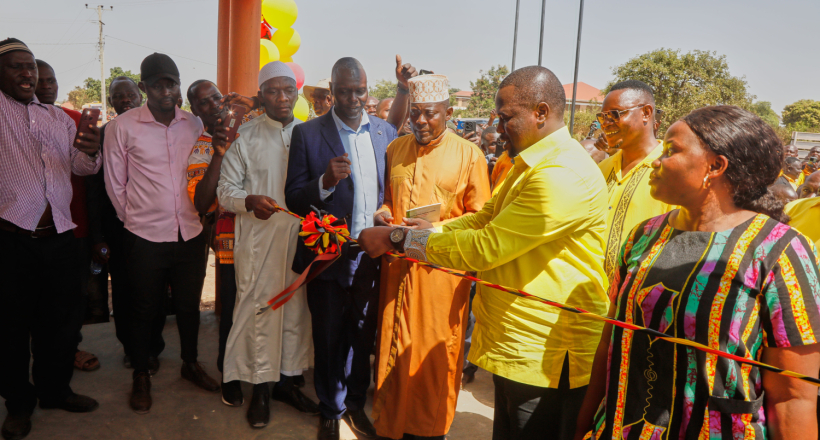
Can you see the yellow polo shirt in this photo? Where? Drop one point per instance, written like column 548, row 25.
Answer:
column 805, row 214
column 542, row 233
column 629, row 202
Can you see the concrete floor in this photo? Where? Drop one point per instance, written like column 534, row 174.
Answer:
column 182, row 411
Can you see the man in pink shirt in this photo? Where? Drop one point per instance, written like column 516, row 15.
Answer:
column 146, row 153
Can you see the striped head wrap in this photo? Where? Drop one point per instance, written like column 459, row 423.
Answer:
column 12, row 44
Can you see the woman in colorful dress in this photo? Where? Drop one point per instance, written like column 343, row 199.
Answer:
column 724, row 270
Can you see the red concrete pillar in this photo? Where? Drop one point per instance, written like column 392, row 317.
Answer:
column 223, row 46
column 243, row 68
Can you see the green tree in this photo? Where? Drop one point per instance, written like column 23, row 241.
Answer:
column 383, row 89
column 91, row 86
column 484, row 90
column 804, row 113
column 453, row 98
column 78, row 97
column 764, row 110
column 684, row 82
column 583, row 119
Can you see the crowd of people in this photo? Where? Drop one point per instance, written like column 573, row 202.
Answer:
column 708, row 235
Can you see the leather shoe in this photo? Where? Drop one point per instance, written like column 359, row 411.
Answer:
column 299, row 380
column 74, row 403
column 16, row 426
column 153, row 365
column 141, row 393
column 360, row 423
column 328, row 429
column 232, row 393
column 259, row 409
column 286, row 391
column 193, row 372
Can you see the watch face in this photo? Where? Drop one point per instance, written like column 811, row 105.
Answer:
column 397, row 235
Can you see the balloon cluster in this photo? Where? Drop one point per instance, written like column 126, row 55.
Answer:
column 282, row 44
column 324, row 235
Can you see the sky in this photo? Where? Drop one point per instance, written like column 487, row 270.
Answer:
column 772, row 44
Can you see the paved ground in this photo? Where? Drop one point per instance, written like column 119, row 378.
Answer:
column 182, row 411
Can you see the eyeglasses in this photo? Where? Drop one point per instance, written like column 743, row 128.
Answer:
column 615, row 115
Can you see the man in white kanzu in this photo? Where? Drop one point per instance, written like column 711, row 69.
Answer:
column 275, row 345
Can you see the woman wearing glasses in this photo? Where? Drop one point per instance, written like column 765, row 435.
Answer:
column 724, row 271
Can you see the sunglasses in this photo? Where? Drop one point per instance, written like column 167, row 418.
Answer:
column 615, row 115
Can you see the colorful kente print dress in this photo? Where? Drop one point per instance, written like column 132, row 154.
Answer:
column 741, row 290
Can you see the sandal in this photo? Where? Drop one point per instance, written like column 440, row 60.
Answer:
column 85, row 361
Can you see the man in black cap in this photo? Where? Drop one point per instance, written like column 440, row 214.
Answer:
column 146, row 154
column 38, row 264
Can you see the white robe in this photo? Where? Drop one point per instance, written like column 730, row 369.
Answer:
column 261, row 347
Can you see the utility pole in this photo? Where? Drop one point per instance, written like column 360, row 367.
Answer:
column 101, row 45
column 515, row 35
column 575, row 76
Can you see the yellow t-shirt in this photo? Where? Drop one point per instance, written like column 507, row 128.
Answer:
column 805, row 214
column 629, row 202
column 543, row 233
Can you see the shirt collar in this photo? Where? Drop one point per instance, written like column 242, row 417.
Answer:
column 365, row 122
column 147, row 116
column 34, row 100
column 538, row 151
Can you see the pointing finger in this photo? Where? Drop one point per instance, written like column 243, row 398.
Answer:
column 398, row 60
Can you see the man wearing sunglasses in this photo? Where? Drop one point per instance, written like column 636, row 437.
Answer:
column 628, row 120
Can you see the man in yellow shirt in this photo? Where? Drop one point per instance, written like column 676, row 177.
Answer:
column 543, row 232
column 628, row 121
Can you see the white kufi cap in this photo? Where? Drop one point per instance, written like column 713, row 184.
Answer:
column 429, row 88
column 275, row 69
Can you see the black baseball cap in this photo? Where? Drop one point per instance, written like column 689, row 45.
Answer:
column 158, row 65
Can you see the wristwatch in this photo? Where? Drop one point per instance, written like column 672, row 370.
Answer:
column 397, row 238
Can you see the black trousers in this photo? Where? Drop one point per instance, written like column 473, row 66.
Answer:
column 469, row 368
column 151, row 268
column 39, row 295
column 227, row 297
column 121, row 295
column 525, row 412
column 344, row 329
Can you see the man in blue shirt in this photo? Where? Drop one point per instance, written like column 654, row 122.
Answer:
column 336, row 164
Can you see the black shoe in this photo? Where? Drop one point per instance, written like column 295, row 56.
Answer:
column 286, row 391
column 259, row 409
column 141, row 393
column 360, row 423
column 74, row 403
column 299, row 380
column 328, row 429
column 193, row 371
column 232, row 393
column 16, row 426
column 153, row 365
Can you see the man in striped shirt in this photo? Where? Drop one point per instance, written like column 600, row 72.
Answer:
column 38, row 264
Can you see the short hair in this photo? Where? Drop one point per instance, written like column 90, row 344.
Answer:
column 191, row 88
column 383, row 103
column 791, row 160
column 638, row 86
column 41, row 63
column 536, row 84
column 491, row 129
column 122, row 78
column 753, row 150
column 346, row 63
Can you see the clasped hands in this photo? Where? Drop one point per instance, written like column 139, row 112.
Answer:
column 376, row 240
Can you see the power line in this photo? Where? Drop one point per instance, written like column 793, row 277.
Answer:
column 158, row 50
column 58, row 44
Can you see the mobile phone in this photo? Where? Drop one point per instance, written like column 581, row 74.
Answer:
column 90, row 116
column 469, row 126
column 233, row 118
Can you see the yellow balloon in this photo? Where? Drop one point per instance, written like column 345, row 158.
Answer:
column 280, row 13
column 302, row 109
column 286, row 59
column 287, row 40
column 268, row 52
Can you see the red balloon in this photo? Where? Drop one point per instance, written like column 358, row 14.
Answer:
column 299, row 73
column 266, row 31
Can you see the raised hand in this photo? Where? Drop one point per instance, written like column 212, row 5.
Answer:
column 337, row 169
column 89, row 143
column 220, row 140
column 236, row 98
column 404, row 72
